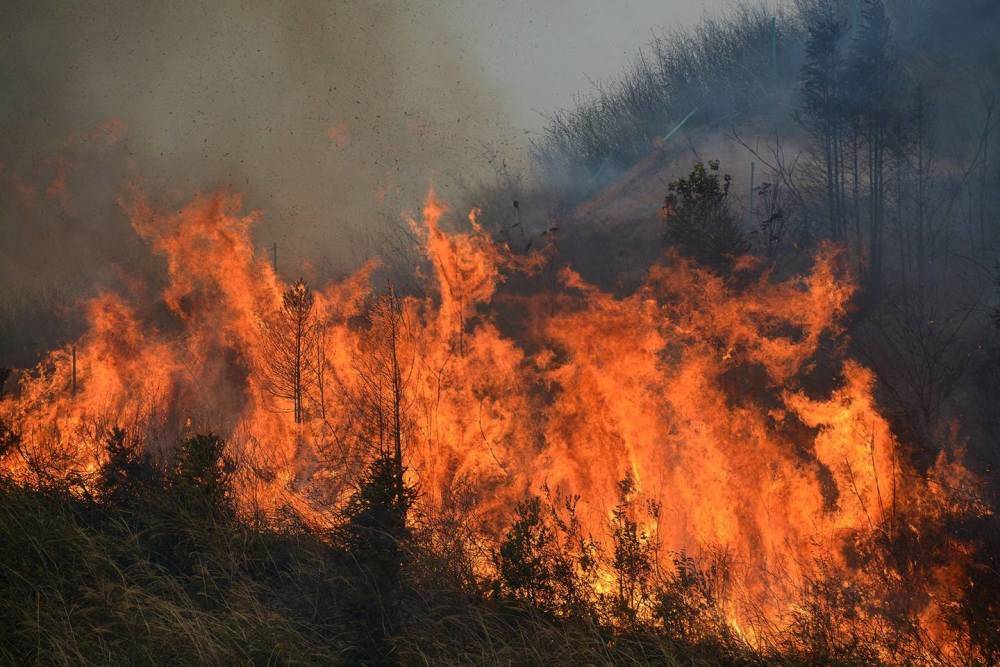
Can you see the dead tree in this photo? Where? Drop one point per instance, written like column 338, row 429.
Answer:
column 823, row 104
column 381, row 392
column 290, row 340
column 873, row 72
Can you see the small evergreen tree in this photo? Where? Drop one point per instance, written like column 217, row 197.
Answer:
column 126, row 474
column 374, row 520
column 523, row 558
column 202, row 473
column 375, row 536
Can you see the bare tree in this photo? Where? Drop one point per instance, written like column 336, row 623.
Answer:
column 291, row 339
column 872, row 72
column 381, row 398
column 822, row 110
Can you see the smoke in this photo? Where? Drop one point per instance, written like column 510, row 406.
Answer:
column 330, row 118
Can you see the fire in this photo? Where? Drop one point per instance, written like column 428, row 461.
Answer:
column 729, row 402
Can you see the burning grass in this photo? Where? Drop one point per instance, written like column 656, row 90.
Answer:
column 692, row 469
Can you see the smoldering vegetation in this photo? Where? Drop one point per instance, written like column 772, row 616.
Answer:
column 871, row 127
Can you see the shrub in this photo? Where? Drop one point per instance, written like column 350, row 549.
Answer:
column 699, row 221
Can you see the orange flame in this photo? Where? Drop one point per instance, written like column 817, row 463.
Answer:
column 731, row 407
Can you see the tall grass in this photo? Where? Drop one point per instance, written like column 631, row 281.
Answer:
column 81, row 586
column 155, row 582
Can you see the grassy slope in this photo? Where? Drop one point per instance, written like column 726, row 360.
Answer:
column 162, row 584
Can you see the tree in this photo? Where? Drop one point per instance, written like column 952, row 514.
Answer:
column 374, row 530
column 698, row 218
column 202, row 473
column 523, row 560
column 923, row 159
column 127, row 473
column 380, row 371
column 822, row 110
column 375, row 536
column 872, row 68
column 290, row 339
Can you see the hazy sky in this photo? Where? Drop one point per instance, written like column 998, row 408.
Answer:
column 539, row 54
column 330, row 117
